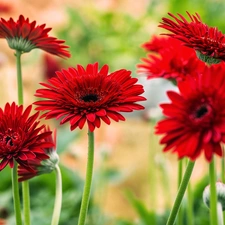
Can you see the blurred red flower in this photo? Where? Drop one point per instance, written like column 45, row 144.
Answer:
column 20, row 139
column 24, row 36
column 169, row 59
column 41, row 166
column 5, row 7
column 209, row 42
column 50, row 65
column 195, row 118
column 157, row 44
column 87, row 95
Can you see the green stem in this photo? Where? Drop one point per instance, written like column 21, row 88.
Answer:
column 220, row 213
column 190, row 217
column 88, row 180
column 180, row 194
column 180, row 175
column 223, row 173
column 16, row 196
column 58, row 197
column 19, row 77
column 26, row 202
column 180, row 171
column 25, row 184
column 223, row 166
column 213, row 195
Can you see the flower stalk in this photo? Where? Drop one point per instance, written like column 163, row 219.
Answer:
column 26, row 202
column 180, row 194
column 213, row 194
column 16, row 197
column 190, row 205
column 88, row 180
column 223, row 166
column 220, row 214
column 58, row 197
column 19, row 77
column 180, row 175
column 25, row 184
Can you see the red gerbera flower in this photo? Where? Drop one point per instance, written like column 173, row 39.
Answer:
column 195, row 120
column 173, row 61
column 88, row 95
column 19, row 137
column 41, row 166
column 209, row 42
column 24, row 36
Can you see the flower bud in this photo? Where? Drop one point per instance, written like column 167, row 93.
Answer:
column 220, row 189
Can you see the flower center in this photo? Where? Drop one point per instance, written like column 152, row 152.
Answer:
column 201, row 111
column 90, row 98
column 202, row 115
column 9, row 140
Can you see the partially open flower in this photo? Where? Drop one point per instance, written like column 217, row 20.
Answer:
column 23, row 35
column 208, row 42
column 41, row 166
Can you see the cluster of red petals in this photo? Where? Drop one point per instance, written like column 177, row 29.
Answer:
column 195, row 118
column 20, row 137
column 157, row 44
column 25, row 174
column 169, row 59
column 51, row 139
column 36, row 35
column 197, row 35
column 37, row 167
column 89, row 95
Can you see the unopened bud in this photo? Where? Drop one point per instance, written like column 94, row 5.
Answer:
column 220, row 190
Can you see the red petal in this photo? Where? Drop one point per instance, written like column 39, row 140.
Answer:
column 101, row 112
column 4, row 163
column 22, row 156
column 91, row 126
column 106, row 119
column 91, row 117
column 81, row 122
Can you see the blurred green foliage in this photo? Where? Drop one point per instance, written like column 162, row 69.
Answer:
column 105, row 37
column 211, row 11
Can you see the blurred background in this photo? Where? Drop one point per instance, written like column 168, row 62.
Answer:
column 134, row 182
